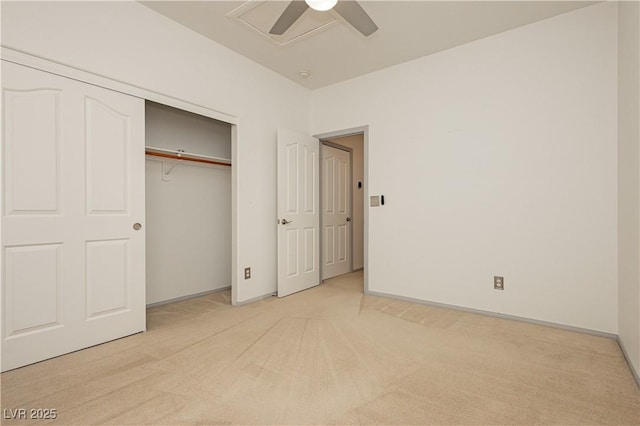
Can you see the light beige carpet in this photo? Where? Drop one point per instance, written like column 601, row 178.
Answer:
column 331, row 355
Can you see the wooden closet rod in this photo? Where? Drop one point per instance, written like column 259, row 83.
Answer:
column 176, row 157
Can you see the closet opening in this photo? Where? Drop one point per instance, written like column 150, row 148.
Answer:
column 188, row 204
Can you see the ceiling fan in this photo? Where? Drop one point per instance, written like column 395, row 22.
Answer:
column 349, row 10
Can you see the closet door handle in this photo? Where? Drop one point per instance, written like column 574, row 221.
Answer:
column 285, row 221
column 137, row 226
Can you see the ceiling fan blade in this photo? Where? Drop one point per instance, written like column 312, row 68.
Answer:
column 354, row 14
column 290, row 15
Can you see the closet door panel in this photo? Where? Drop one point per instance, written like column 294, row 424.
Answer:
column 32, row 152
column 108, row 281
column 108, row 136
column 33, row 295
column 113, row 242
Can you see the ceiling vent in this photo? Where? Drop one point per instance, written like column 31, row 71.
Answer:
column 261, row 15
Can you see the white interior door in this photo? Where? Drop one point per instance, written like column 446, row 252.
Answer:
column 298, row 212
column 336, row 206
column 73, row 187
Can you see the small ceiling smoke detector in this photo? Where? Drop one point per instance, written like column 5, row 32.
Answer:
column 304, row 73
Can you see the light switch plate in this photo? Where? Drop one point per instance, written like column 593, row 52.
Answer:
column 375, row 201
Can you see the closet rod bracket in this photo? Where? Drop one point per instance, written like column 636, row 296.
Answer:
column 167, row 168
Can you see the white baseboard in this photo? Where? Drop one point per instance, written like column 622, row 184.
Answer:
column 497, row 315
column 634, row 373
column 187, row 297
column 255, row 299
column 615, row 337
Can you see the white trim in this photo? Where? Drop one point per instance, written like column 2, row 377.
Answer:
column 615, row 337
column 236, row 273
column 634, row 373
column 53, row 67
column 256, row 299
column 188, row 297
column 496, row 315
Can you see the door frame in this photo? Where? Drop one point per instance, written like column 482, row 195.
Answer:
column 335, row 145
column 364, row 131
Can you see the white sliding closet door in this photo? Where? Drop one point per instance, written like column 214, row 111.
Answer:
column 73, row 188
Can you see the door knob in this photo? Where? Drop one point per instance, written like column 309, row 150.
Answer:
column 348, row 219
column 137, row 226
column 285, row 221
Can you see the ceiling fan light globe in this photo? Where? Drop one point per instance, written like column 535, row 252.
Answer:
column 321, row 5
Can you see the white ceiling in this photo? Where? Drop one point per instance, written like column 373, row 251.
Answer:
column 337, row 52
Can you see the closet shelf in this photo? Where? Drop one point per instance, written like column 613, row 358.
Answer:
column 187, row 156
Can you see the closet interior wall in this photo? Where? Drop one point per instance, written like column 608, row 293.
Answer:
column 188, row 217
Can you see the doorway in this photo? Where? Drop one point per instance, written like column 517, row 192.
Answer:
column 299, row 207
column 188, row 204
column 342, row 191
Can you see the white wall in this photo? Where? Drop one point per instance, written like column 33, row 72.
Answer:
column 496, row 158
column 629, row 179
column 356, row 143
column 188, row 219
column 127, row 41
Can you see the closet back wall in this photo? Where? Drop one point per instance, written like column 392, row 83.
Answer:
column 189, row 216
